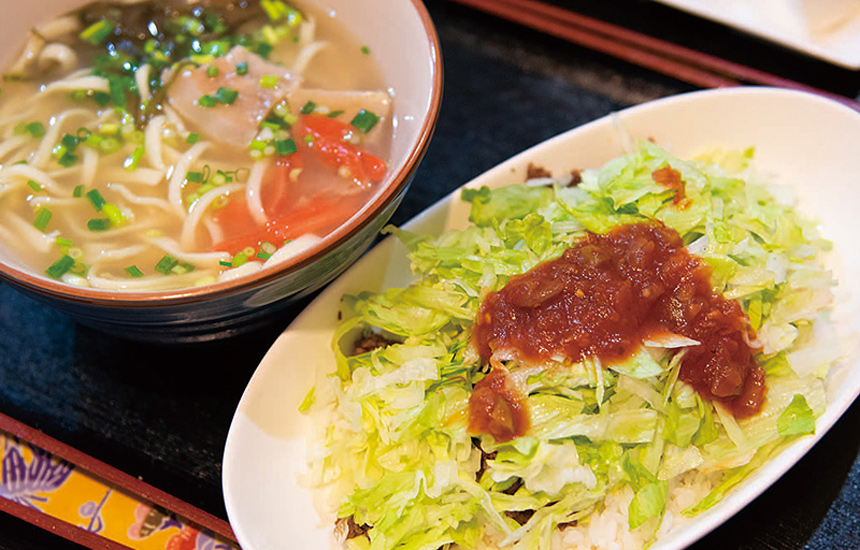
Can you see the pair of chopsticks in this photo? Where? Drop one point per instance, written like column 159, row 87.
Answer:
column 189, row 516
column 685, row 64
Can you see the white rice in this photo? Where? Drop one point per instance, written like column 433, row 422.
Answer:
column 607, row 528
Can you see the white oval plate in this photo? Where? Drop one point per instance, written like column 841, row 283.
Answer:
column 807, row 142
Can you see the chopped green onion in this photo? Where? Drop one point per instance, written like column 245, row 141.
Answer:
column 225, row 264
column 206, row 188
column 101, row 98
column 69, row 142
column 60, row 267
column 308, row 108
column 275, row 9
column 35, row 129
column 216, row 48
column 67, row 159
column 96, row 199
column 109, row 129
column 131, row 162
column 335, row 114
column 365, row 120
column 191, row 25
column 194, row 177
column 263, row 255
column 98, row 224
column 182, row 268
column 365, row 50
column 192, row 138
column 79, row 268
column 220, row 178
column 268, row 81
column 62, row 241
column 120, row 88
column 226, row 95
column 134, row 271
column 43, row 216
column 271, row 35
column 271, row 125
column 268, row 247
column 165, row 264
column 64, row 150
column 34, row 186
column 97, row 32
column 114, row 214
column 264, row 49
column 207, row 101
column 212, row 71
column 108, row 144
column 78, row 192
column 286, row 147
column 239, row 259
column 242, row 68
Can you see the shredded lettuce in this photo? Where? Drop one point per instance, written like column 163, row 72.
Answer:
column 394, row 452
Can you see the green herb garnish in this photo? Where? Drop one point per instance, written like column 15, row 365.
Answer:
column 98, row 224
column 43, row 216
column 226, row 95
column 96, row 198
column 268, row 81
column 286, row 147
column 98, row 32
column 165, row 264
column 60, row 267
column 308, row 108
column 364, row 120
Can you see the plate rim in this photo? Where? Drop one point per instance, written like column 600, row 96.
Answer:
column 761, row 29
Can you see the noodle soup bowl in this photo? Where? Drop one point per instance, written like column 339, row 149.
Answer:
column 402, row 39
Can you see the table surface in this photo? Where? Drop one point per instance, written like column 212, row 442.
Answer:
column 162, row 413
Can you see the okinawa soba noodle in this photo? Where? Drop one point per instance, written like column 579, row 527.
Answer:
column 148, row 146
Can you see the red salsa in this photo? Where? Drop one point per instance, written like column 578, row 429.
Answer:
column 602, row 298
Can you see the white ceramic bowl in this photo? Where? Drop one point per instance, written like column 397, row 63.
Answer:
column 404, row 42
column 806, row 142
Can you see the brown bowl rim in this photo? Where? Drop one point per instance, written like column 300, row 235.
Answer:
column 159, row 298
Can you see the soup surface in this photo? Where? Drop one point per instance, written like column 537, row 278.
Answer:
column 158, row 145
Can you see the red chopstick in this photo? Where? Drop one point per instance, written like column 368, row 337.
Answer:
column 117, row 478
column 679, row 62
column 59, row 527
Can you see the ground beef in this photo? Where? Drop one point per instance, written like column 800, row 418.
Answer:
column 520, row 516
column 370, row 341
column 351, row 527
column 565, row 525
column 484, row 458
column 534, row 171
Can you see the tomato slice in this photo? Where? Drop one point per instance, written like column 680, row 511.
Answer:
column 318, row 215
column 325, row 139
column 328, row 140
column 275, row 192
